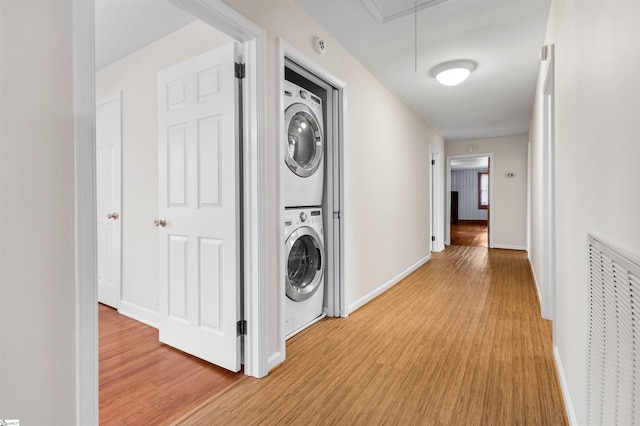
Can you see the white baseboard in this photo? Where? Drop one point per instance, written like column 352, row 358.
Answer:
column 565, row 389
column 140, row 313
column 509, row 247
column 386, row 286
column 535, row 282
column 274, row 360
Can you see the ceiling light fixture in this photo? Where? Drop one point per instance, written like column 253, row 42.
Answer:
column 453, row 73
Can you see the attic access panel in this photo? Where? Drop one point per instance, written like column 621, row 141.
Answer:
column 388, row 10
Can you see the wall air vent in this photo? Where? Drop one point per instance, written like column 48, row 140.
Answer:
column 388, row 10
column 614, row 318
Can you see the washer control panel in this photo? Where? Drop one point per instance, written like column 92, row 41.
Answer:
column 316, row 216
column 307, row 216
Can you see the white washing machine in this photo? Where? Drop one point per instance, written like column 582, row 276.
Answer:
column 304, row 277
column 303, row 166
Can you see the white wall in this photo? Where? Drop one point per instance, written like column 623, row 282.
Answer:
column 509, row 196
column 597, row 150
column 136, row 76
column 386, row 157
column 37, row 214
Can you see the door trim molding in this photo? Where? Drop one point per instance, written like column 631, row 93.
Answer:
column 435, row 195
column 447, row 229
column 226, row 19
column 85, row 238
column 287, row 51
column 547, row 304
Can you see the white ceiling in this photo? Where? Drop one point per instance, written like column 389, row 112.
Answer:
column 124, row 26
column 384, row 10
column 503, row 36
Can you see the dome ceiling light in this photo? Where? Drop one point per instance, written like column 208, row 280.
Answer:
column 453, row 73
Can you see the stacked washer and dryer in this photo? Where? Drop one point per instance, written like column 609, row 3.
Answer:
column 303, row 185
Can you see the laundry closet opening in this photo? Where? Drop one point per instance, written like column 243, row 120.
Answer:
column 310, row 195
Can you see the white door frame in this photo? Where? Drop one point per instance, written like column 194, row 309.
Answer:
column 528, row 246
column 290, row 52
column 226, row 19
column 491, row 209
column 435, row 195
column 547, row 304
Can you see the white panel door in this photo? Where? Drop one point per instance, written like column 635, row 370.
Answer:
column 199, row 211
column 108, row 185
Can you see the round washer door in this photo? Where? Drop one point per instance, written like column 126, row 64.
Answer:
column 304, row 264
column 304, row 143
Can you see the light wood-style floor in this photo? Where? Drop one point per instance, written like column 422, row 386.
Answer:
column 458, row 342
column 470, row 233
column 144, row 382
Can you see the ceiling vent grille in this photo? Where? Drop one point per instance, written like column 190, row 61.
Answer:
column 388, row 10
column 613, row 382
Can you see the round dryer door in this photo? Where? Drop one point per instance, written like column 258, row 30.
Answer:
column 304, row 140
column 304, row 264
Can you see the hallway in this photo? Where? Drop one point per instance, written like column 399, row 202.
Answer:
column 458, row 342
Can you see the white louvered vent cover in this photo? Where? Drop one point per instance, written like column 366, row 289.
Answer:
column 614, row 385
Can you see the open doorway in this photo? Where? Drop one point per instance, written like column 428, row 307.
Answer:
column 131, row 358
column 252, row 37
column 469, row 201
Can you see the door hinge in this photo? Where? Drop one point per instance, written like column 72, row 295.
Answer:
column 239, row 71
column 336, row 215
column 433, row 162
column 433, row 238
column 242, row 328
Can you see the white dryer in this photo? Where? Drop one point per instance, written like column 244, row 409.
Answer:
column 303, row 165
column 304, row 277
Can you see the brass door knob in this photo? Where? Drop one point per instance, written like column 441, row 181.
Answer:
column 160, row 222
column 113, row 216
